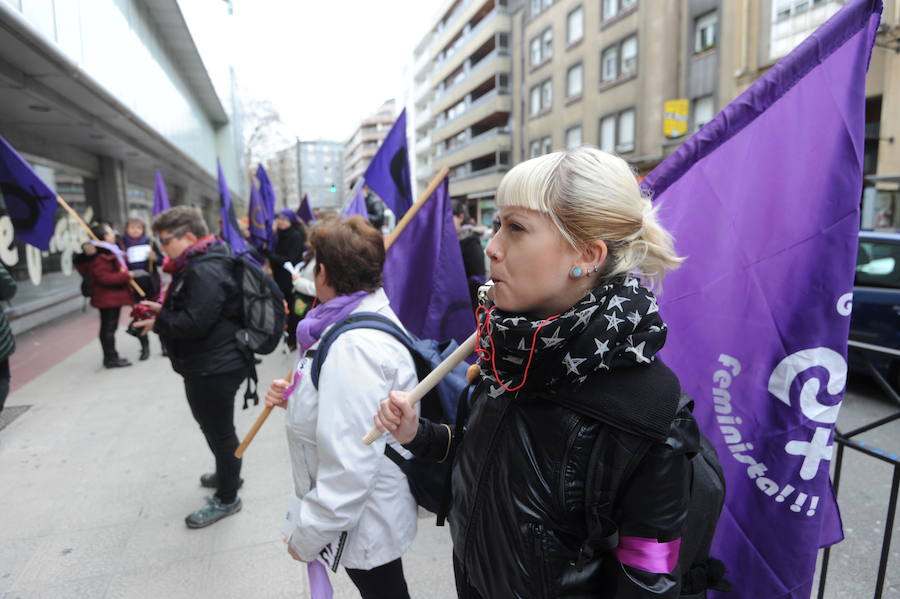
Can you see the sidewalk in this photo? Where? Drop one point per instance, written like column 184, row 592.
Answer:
column 99, row 473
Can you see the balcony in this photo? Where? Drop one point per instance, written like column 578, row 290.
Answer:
column 469, row 42
column 496, row 61
column 480, row 181
column 498, row 100
column 423, row 144
column 492, row 140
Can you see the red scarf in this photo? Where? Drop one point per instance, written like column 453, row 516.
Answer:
column 178, row 264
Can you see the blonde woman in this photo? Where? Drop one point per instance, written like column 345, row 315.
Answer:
column 572, row 328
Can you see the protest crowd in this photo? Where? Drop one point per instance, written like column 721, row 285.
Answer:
column 540, row 385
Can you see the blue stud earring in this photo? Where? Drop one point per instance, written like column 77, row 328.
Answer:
column 576, row 272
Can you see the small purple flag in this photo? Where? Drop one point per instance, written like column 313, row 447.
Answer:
column 424, row 275
column 269, row 201
column 388, row 173
column 257, row 220
column 30, row 203
column 319, row 584
column 305, row 210
column 160, row 197
column 357, row 205
column 231, row 231
column 764, row 202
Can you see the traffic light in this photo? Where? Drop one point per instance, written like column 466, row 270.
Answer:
column 333, row 188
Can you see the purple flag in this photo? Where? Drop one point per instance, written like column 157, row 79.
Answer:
column 305, row 210
column 764, row 202
column 268, row 197
column 357, row 205
column 231, row 232
column 30, row 203
column 388, row 173
column 160, row 197
column 424, row 275
column 257, row 220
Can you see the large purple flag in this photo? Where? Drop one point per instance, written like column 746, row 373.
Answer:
column 388, row 173
column 764, row 203
column 257, row 219
column 30, row 203
column 424, row 276
column 160, row 197
column 357, row 205
column 231, row 231
column 305, row 210
column 269, row 201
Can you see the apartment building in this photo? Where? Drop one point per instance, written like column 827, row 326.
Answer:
column 463, row 100
column 360, row 148
column 322, row 172
column 284, row 173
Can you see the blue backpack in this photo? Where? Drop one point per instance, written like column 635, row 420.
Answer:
column 447, row 403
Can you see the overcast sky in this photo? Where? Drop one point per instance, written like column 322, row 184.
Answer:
column 325, row 64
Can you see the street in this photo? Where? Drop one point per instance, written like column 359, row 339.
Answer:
column 100, row 471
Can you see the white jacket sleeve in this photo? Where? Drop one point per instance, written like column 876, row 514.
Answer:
column 305, row 283
column 353, row 381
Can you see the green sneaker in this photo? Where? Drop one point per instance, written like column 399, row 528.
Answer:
column 213, row 511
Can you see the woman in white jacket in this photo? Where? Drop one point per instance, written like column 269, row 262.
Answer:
column 354, row 504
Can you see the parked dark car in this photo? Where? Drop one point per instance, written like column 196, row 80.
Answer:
column 876, row 298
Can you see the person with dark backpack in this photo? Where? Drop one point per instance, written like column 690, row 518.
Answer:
column 573, row 474
column 199, row 321
column 352, row 504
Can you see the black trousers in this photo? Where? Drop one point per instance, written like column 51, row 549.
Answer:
column 382, row 582
column 109, row 322
column 211, row 399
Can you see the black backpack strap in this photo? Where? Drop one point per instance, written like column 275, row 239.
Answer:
column 251, row 390
column 357, row 320
column 462, row 414
column 610, row 466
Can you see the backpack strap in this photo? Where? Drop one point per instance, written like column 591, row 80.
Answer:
column 251, row 390
column 610, row 467
column 357, row 320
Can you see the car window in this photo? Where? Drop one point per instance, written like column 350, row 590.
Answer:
column 878, row 264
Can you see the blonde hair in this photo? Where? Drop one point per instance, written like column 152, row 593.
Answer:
column 591, row 195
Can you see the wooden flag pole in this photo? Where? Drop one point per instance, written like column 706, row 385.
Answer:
column 433, row 378
column 415, row 208
column 239, row 452
column 90, row 233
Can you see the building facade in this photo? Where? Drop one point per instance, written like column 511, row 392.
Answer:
column 360, row 148
column 284, row 173
column 97, row 96
column 633, row 77
column 322, row 173
column 463, row 100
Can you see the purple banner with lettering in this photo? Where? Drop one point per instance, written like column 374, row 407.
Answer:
column 764, row 203
column 424, row 275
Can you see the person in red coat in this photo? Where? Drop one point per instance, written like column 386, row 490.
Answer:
column 110, row 279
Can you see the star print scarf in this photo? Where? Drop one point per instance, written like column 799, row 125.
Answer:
column 616, row 325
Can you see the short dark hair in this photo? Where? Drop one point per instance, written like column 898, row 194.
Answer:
column 180, row 220
column 100, row 230
column 352, row 251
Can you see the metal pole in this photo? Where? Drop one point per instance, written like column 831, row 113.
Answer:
column 888, row 530
column 823, row 572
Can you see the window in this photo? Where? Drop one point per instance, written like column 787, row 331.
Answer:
column 617, row 132
column 619, row 60
column 609, row 64
column 573, row 137
column 540, row 146
column 704, row 111
column 629, row 56
column 878, row 264
column 613, row 8
column 535, row 100
column 547, row 4
column 625, row 134
column 575, row 26
column 574, row 78
column 608, row 134
column 536, row 51
column 547, row 95
column 542, row 47
column 535, row 7
column 705, row 32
